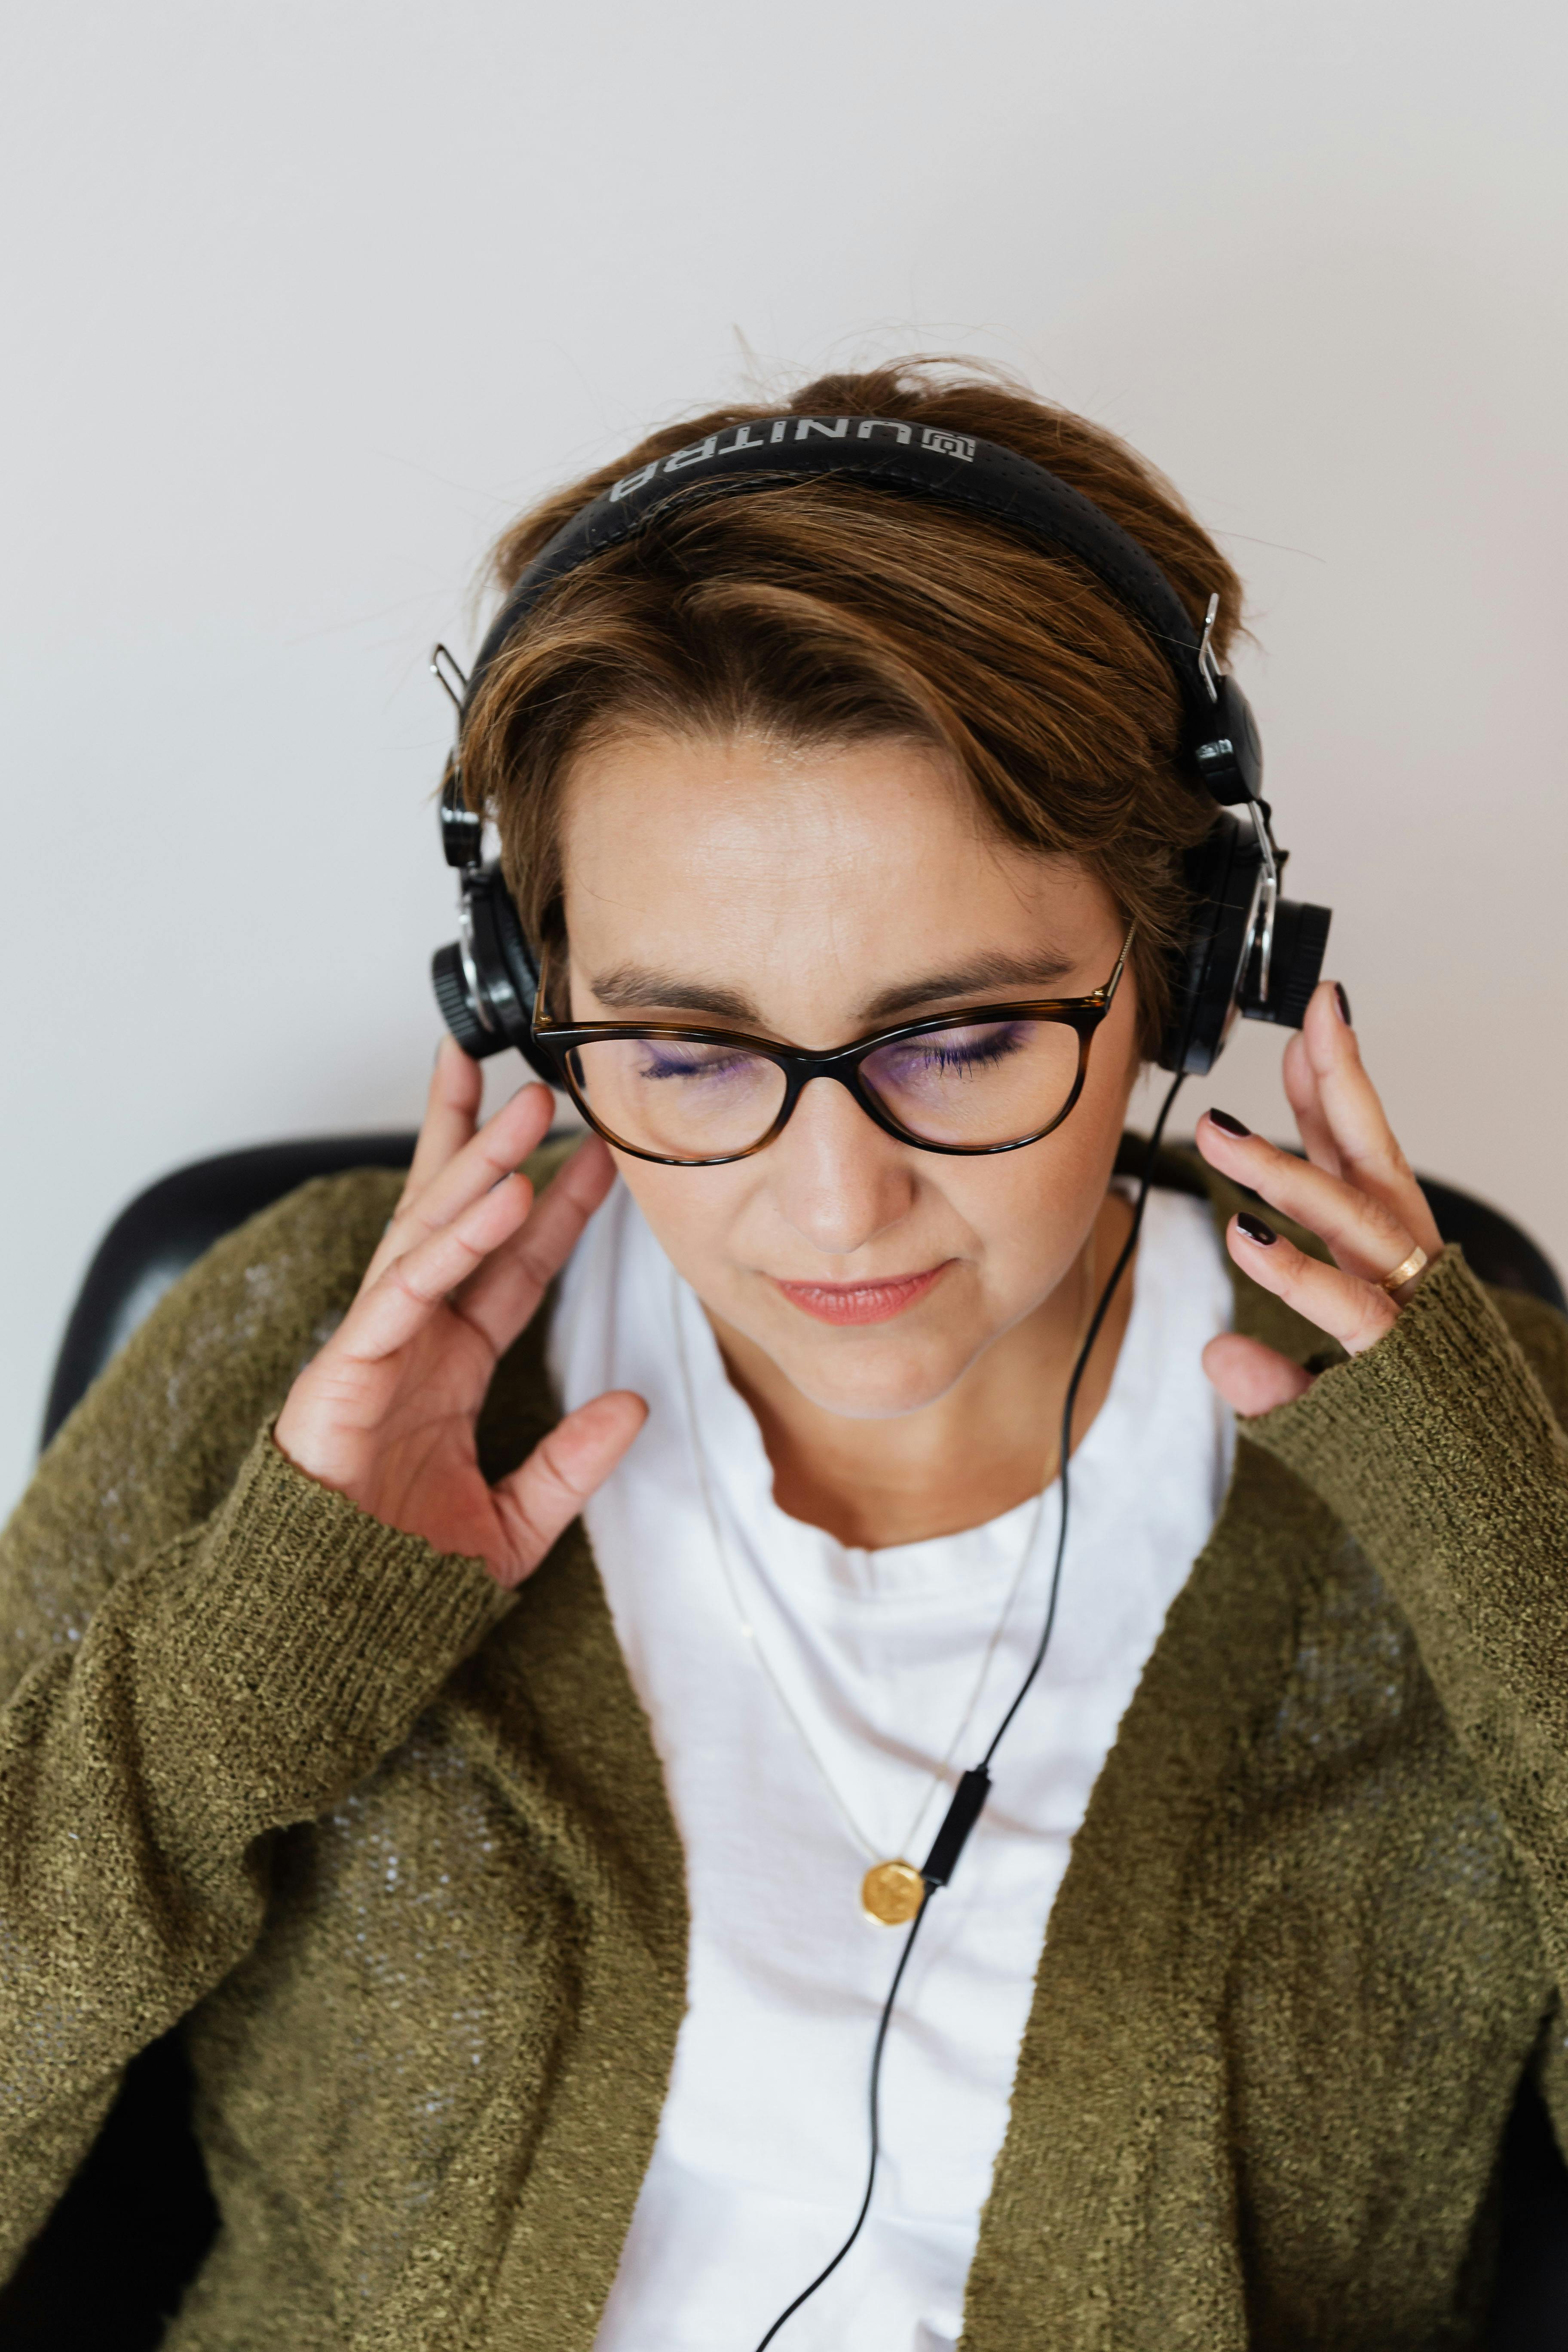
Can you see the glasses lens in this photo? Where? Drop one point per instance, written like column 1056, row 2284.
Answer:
column 986, row 1083
column 677, row 1098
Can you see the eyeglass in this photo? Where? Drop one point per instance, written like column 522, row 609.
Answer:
column 993, row 1078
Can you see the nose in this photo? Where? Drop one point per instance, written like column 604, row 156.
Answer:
column 834, row 1174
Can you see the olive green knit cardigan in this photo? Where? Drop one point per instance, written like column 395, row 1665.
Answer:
column 397, row 1848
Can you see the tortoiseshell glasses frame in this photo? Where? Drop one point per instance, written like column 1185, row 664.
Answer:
column 556, row 1042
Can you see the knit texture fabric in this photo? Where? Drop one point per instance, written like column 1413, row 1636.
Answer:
column 396, row 1848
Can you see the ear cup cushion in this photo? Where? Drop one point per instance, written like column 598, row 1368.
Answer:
column 523, row 967
column 503, row 963
column 522, row 971
column 1221, row 875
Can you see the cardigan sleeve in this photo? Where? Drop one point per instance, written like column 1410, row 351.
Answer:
column 1442, row 1450
column 202, row 1646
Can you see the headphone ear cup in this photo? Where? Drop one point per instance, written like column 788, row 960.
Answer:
column 1221, row 875
column 458, row 1010
column 486, row 986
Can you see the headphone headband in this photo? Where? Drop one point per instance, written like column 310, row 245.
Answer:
column 1218, row 739
column 1249, row 950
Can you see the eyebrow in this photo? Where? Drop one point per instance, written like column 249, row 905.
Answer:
column 631, row 988
column 1038, row 974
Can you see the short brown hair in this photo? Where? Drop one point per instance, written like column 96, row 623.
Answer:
column 820, row 612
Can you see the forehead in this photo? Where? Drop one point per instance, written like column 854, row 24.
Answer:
column 732, row 838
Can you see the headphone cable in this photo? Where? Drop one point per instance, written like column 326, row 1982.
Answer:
column 1124, row 1256
column 974, row 1786
column 883, row 2023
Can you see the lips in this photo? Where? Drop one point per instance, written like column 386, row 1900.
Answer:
column 861, row 1302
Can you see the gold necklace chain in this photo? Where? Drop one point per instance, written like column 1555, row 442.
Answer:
column 891, row 1889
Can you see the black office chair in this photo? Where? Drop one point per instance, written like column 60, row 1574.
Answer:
column 107, row 2271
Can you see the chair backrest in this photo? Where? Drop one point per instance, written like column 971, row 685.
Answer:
column 110, row 2266
column 176, row 1221
column 1494, row 1245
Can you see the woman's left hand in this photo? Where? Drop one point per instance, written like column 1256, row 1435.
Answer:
column 1354, row 1190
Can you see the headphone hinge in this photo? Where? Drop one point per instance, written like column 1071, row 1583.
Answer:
column 1229, row 760
column 462, row 828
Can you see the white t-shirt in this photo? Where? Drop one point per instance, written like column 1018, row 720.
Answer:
column 760, row 2157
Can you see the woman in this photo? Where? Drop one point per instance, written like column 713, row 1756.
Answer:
column 491, row 1659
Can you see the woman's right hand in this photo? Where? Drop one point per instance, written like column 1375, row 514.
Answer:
column 385, row 1413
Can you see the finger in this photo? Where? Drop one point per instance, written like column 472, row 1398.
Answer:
column 1251, row 1378
column 504, row 1294
column 1366, row 1238
column 451, row 1115
column 1369, row 1152
column 408, row 1293
column 537, row 1501
column 490, row 1157
column 1357, row 1314
column 1306, row 1102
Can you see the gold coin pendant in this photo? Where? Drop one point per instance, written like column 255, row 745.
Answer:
column 891, row 1892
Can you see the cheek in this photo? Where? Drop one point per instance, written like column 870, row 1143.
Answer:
column 1028, row 1213
column 691, row 1212
column 1115, row 1060
column 1031, row 1211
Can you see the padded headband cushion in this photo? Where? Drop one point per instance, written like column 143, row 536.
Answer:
column 913, row 461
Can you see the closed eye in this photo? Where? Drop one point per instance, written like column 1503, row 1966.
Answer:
column 955, row 1052
column 682, row 1059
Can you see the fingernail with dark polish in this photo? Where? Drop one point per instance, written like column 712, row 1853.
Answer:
column 1223, row 1118
column 1255, row 1229
column 1344, row 1005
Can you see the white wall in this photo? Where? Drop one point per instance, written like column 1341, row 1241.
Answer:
column 302, row 300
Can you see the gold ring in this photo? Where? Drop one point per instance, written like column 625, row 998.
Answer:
column 1405, row 1271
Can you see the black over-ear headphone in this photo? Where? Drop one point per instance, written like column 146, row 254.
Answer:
column 1247, row 950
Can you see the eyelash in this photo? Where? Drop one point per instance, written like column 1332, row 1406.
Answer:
column 1001, row 1042
column 996, row 1048
column 674, row 1069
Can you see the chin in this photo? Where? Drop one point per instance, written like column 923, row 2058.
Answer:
column 882, row 1383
